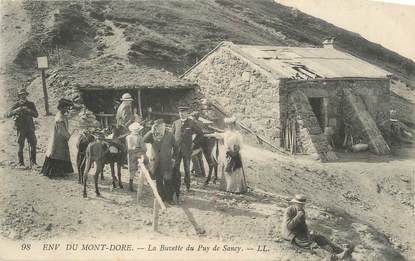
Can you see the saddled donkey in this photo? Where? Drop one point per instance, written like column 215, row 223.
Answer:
column 106, row 151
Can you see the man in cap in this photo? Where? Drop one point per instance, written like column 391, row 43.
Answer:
column 295, row 230
column 125, row 115
column 135, row 150
column 182, row 130
column 162, row 142
column 23, row 112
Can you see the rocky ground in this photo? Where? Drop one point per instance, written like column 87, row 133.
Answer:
column 363, row 199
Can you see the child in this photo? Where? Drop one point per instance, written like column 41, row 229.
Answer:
column 136, row 149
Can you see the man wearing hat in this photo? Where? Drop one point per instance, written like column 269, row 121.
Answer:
column 295, row 230
column 136, row 149
column 23, row 112
column 125, row 114
column 182, row 130
column 162, row 143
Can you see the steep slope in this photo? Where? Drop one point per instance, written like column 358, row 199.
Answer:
column 178, row 32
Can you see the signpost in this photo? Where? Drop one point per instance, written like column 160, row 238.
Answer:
column 42, row 63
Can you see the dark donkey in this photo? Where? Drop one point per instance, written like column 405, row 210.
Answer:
column 103, row 151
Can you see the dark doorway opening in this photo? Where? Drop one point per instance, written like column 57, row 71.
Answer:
column 318, row 109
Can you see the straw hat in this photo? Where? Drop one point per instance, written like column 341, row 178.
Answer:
column 299, row 198
column 127, row 97
column 135, row 127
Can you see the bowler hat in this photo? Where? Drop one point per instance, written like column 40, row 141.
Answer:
column 299, row 198
column 183, row 108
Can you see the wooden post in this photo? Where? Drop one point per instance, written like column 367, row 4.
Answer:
column 140, row 111
column 140, row 186
column 45, row 93
column 155, row 215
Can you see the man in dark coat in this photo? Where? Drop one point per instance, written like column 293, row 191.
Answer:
column 295, row 230
column 162, row 143
column 23, row 112
column 182, row 130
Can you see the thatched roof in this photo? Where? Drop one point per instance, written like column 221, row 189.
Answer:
column 113, row 75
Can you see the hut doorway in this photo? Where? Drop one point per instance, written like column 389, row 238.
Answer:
column 317, row 105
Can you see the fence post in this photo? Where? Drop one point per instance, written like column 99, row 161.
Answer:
column 155, row 215
column 140, row 186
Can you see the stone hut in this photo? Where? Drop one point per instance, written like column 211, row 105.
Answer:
column 156, row 93
column 305, row 100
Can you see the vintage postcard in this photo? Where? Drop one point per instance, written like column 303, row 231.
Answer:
column 207, row 130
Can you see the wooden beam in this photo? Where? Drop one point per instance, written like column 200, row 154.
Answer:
column 152, row 185
column 155, row 215
column 139, row 109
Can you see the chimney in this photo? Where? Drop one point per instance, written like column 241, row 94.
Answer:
column 329, row 42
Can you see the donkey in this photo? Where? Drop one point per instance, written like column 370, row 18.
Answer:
column 106, row 151
column 208, row 146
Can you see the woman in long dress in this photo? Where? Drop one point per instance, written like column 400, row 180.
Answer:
column 233, row 176
column 57, row 161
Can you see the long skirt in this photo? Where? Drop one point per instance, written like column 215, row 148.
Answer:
column 234, row 181
column 56, row 168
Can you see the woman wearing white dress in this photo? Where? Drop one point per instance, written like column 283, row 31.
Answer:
column 231, row 164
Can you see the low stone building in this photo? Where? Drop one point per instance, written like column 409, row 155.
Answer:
column 99, row 85
column 306, row 100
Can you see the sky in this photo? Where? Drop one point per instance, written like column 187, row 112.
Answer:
column 385, row 22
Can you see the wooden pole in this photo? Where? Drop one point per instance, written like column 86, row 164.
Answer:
column 155, row 215
column 140, row 111
column 45, row 93
column 140, row 186
column 152, row 185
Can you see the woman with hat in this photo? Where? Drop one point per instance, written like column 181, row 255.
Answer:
column 57, row 161
column 233, row 176
column 136, row 149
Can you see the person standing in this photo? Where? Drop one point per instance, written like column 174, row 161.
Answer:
column 162, row 142
column 295, row 230
column 23, row 112
column 57, row 161
column 233, row 176
column 125, row 115
column 182, row 130
column 135, row 150
column 198, row 144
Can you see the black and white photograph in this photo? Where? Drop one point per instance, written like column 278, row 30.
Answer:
column 207, row 130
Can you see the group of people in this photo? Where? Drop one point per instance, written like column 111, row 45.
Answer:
column 170, row 147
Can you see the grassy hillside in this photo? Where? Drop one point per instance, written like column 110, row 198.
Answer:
column 176, row 33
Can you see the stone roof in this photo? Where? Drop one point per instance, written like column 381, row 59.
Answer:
column 116, row 75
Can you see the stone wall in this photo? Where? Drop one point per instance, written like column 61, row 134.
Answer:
column 405, row 110
column 242, row 89
column 374, row 93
